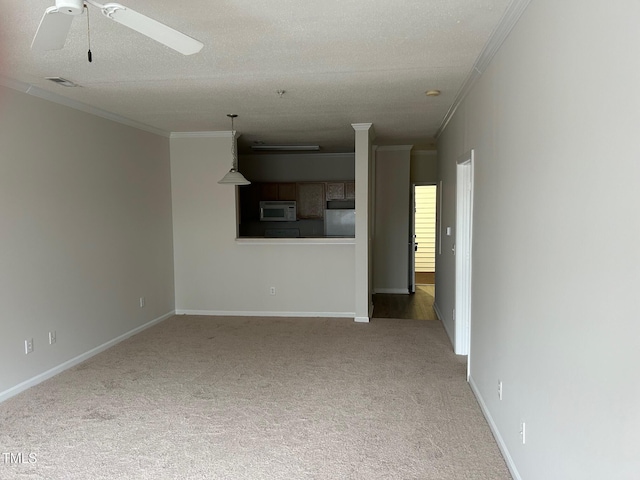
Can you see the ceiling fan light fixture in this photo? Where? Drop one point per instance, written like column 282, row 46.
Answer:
column 233, row 176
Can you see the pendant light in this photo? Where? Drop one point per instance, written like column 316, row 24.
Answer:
column 234, row 177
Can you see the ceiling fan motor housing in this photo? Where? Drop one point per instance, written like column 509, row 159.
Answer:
column 70, row 7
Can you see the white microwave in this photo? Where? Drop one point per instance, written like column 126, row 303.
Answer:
column 278, row 211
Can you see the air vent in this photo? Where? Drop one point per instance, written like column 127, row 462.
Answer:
column 62, row 81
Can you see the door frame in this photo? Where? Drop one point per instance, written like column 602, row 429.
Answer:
column 412, row 228
column 412, row 238
column 464, row 236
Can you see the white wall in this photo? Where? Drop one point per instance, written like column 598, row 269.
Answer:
column 85, row 230
column 554, row 309
column 216, row 274
column 450, row 147
column 365, row 206
column 391, row 238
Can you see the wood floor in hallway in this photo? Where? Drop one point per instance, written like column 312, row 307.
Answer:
column 425, row 278
column 418, row 306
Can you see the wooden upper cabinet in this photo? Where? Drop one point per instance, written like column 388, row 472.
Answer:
column 341, row 191
column 286, row 191
column 349, row 190
column 278, row 191
column 335, row 191
column 269, row 191
column 311, row 200
column 311, row 197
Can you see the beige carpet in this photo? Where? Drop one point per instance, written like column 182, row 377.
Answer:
column 257, row 398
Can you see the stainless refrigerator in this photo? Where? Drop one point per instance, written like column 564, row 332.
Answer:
column 340, row 223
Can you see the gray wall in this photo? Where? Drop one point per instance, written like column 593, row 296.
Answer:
column 218, row 275
column 85, row 230
column 554, row 122
column 298, row 167
column 424, row 166
column 391, row 236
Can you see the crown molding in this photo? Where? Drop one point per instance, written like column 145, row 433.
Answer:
column 511, row 16
column 365, row 126
column 76, row 105
column 14, row 84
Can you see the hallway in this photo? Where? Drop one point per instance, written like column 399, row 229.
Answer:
column 417, row 306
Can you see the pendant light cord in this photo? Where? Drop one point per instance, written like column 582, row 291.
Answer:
column 234, row 177
column 233, row 146
column 89, row 36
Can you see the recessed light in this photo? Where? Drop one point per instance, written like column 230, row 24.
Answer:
column 432, row 93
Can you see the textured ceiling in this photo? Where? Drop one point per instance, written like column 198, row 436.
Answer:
column 339, row 62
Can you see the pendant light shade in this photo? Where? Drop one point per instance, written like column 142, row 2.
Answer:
column 234, row 177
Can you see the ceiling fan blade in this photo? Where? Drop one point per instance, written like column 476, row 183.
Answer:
column 152, row 29
column 53, row 30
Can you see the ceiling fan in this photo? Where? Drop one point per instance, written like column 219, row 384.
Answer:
column 56, row 22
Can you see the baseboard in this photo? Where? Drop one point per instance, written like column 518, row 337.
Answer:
column 361, row 319
column 496, row 433
column 21, row 387
column 450, row 334
column 220, row 313
column 400, row 291
column 437, row 310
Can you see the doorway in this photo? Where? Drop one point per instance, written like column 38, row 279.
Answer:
column 422, row 250
column 421, row 272
column 424, row 221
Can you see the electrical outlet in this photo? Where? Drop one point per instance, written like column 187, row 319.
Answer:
column 499, row 389
column 272, row 291
column 141, row 302
column 523, row 432
column 28, row 346
column 52, row 337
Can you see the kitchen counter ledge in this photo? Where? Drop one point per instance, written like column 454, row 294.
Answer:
column 297, row 241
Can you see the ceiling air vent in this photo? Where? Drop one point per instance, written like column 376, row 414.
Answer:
column 62, row 81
